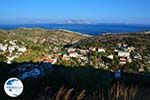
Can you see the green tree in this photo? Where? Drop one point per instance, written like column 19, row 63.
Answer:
column 2, row 58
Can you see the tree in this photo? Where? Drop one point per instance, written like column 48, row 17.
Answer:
column 2, row 58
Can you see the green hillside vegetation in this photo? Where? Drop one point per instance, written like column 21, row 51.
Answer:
column 39, row 42
column 140, row 41
column 109, row 41
column 40, row 36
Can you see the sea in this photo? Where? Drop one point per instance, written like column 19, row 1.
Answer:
column 89, row 29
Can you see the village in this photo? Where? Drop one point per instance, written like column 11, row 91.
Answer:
column 12, row 49
column 98, row 58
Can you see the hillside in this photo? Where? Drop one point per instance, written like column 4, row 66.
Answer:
column 135, row 45
column 110, row 40
column 37, row 42
column 41, row 36
column 62, row 47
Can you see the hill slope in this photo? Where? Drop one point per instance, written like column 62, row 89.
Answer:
column 38, row 35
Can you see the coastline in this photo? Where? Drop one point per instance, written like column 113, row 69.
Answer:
column 85, row 29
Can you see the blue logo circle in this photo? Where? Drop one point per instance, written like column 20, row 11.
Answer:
column 13, row 87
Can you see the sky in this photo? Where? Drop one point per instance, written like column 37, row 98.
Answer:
column 94, row 11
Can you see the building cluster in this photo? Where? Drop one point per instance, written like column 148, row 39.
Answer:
column 68, row 54
column 126, row 53
column 78, row 54
column 12, row 49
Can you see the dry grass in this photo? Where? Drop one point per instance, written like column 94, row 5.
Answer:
column 81, row 95
column 118, row 91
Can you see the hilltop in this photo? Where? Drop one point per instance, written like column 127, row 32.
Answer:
column 42, row 36
column 135, row 39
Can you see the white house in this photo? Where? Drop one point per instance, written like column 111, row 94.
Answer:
column 83, row 51
column 125, row 45
column 123, row 54
column 22, row 49
column 110, row 57
column 3, row 48
column 138, row 57
column 71, row 50
column 73, row 54
column 12, row 48
column 116, row 51
column 12, row 42
column 147, row 32
column 101, row 50
column 84, row 58
column 131, row 49
column 93, row 49
column 124, row 57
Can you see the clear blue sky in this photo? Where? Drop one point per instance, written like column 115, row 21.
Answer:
column 105, row 11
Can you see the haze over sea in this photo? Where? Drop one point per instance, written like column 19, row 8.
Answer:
column 90, row 29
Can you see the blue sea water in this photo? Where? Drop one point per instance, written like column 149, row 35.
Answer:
column 91, row 29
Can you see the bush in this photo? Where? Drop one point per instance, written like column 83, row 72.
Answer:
column 2, row 58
